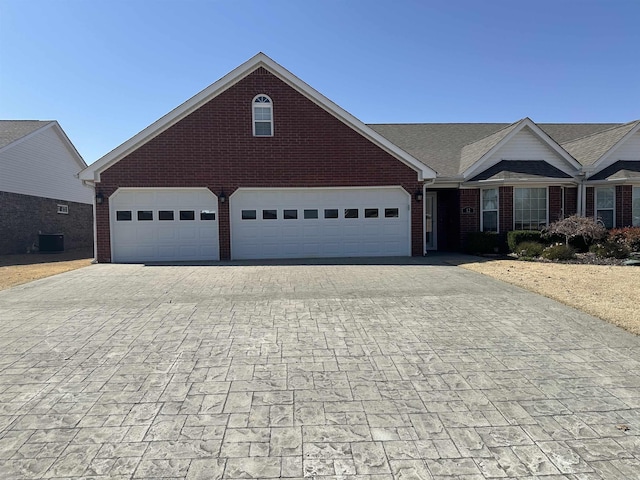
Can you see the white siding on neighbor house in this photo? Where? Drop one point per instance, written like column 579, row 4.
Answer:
column 525, row 145
column 629, row 150
column 42, row 166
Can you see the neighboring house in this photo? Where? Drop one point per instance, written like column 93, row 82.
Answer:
column 260, row 165
column 40, row 191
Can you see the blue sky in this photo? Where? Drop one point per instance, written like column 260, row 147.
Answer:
column 107, row 69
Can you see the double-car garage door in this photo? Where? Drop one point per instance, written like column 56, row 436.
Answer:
column 318, row 222
column 165, row 224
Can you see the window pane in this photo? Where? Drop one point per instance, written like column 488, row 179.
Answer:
column 606, row 216
column 605, row 197
column 187, row 215
column 391, row 212
column 263, row 129
column 350, row 213
column 490, row 221
column 123, row 215
column 165, row 215
column 248, row 214
column 310, row 214
column 269, row 214
column 636, row 207
column 290, row 214
column 490, row 199
column 145, row 215
column 207, row 215
column 530, row 208
column 331, row 213
column 370, row 213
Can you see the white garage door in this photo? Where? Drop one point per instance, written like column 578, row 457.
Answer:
column 319, row 222
column 164, row 224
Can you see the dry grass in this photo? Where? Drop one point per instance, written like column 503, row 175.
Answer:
column 19, row 269
column 611, row 293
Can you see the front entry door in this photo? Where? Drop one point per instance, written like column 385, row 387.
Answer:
column 430, row 221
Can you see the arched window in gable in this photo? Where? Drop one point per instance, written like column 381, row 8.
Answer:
column 262, row 108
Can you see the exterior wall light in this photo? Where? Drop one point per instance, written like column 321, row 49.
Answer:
column 418, row 195
column 222, row 197
column 99, row 198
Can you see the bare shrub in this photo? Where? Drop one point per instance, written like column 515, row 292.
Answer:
column 576, row 226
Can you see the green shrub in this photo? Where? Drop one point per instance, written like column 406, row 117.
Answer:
column 516, row 237
column 529, row 249
column 610, row 249
column 559, row 252
column 628, row 236
column 482, row 242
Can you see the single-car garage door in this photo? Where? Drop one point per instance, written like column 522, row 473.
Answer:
column 320, row 222
column 164, row 224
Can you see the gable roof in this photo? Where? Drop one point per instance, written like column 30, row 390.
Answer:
column 620, row 170
column 441, row 145
column 520, row 169
column 92, row 173
column 590, row 149
column 12, row 130
column 473, row 152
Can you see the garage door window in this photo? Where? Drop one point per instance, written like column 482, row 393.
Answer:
column 290, row 214
column 311, row 214
column 187, row 215
column 269, row 214
column 331, row 213
column 165, row 215
column 206, row 215
column 391, row 213
column 350, row 213
column 248, row 214
column 370, row 213
column 123, row 215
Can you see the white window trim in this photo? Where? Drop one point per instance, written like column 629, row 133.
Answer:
column 253, row 115
column 613, row 209
column 497, row 210
column 63, row 209
column 513, row 201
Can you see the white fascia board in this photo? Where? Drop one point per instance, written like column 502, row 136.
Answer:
column 525, row 122
column 598, row 164
column 522, row 181
column 260, row 60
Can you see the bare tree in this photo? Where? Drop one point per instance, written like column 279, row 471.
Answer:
column 576, row 226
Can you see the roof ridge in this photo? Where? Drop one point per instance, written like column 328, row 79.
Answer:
column 615, row 127
column 494, row 133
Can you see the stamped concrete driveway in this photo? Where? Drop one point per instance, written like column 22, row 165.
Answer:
column 309, row 371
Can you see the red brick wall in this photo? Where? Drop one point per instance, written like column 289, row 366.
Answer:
column 555, row 203
column 214, row 147
column 624, row 205
column 505, row 197
column 469, row 222
column 570, row 201
column 589, row 198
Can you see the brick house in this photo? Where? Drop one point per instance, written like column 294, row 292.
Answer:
column 40, row 191
column 260, row 165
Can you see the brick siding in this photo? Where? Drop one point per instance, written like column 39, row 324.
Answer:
column 469, row 222
column 214, row 147
column 23, row 217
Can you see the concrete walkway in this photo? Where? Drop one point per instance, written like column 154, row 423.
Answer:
column 386, row 371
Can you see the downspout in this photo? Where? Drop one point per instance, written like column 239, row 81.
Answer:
column 91, row 184
column 562, row 216
column 582, row 193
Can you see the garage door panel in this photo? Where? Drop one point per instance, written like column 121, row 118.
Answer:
column 324, row 237
column 164, row 240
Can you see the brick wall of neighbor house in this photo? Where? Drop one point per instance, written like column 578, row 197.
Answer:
column 22, row 217
column 214, row 147
column 624, row 199
column 469, row 222
column 505, row 209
